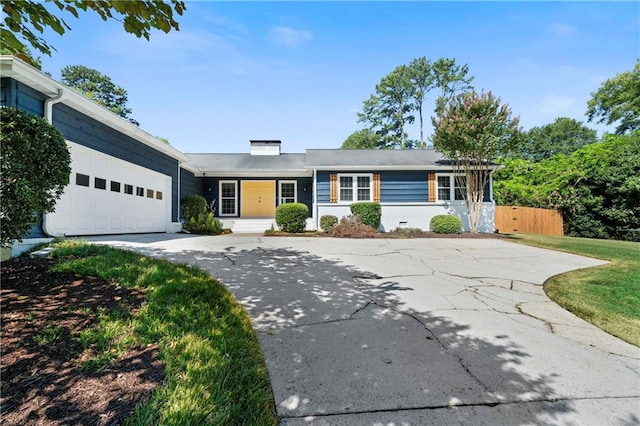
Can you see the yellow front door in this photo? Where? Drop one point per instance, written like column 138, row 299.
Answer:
column 258, row 198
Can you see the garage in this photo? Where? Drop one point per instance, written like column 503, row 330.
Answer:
column 107, row 195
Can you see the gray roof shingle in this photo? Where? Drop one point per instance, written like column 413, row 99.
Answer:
column 362, row 158
column 248, row 162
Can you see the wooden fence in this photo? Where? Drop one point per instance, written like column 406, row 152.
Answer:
column 528, row 220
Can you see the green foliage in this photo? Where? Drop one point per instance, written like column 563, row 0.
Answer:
column 369, row 213
column 618, row 101
column 204, row 224
column 327, row 222
column 362, row 139
column 35, row 166
column 596, row 188
column 292, row 217
column 24, row 20
column 562, row 137
column 99, row 88
column 451, row 79
column 471, row 131
column 193, row 206
column 446, row 224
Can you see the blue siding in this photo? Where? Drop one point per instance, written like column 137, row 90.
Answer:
column 86, row 131
column 15, row 94
column 404, row 187
column 189, row 184
column 322, row 186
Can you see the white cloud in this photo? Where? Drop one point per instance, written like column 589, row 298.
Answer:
column 555, row 104
column 562, row 29
column 287, row 36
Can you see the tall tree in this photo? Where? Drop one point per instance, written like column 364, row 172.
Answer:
column 26, row 20
column 451, row 79
column 98, row 87
column 422, row 81
column 471, row 130
column 562, row 137
column 362, row 139
column 388, row 111
column 618, row 101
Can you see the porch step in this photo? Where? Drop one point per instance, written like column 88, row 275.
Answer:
column 249, row 226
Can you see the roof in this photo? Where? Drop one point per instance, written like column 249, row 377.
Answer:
column 250, row 165
column 13, row 67
column 373, row 158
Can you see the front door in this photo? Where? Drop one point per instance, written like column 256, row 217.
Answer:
column 258, row 198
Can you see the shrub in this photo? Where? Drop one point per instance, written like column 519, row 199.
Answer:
column 327, row 222
column 292, row 217
column 446, row 224
column 369, row 213
column 352, row 227
column 35, row 169
column 193, row 206
column 205, row 223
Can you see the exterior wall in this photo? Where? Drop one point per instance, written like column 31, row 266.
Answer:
column 88, row 132
column 211, row 188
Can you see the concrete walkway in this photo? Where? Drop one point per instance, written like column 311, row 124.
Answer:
column 423, row 331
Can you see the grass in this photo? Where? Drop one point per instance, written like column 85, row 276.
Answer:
column 215, row 371
column 607, row 296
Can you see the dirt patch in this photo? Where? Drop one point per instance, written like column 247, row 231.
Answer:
column 42, row 314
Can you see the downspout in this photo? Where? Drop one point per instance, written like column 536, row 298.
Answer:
column 315, row 198
column 179, row 163
column 48, row 115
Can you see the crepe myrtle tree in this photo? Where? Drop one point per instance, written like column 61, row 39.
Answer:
column 35, row 166
column 471, row 130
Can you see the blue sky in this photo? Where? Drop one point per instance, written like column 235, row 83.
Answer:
column 299, row 71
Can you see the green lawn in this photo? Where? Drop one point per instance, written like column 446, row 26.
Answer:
column 606, row 296
column 215, row 371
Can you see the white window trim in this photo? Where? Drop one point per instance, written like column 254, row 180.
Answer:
column 354, row 187
column 295, row 190
column 452, row 187
column 235, row 196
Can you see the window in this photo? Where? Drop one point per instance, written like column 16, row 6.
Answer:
column 149, row 193
column 451, row 187
column 288, row 191
column 82, row 180
column 228, row 197
column 128, row 189
column 158, row 195
column 140, row 191
column 115, row 186
column 354, row 187
column 100, row 183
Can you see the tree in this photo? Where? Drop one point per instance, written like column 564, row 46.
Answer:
column 451, row 79
column 422, row 81
column 24, row 19
column 618, row 101
column 362, row 139
column 471, row 130
column 389, row 109
column 562, row 137
column 26, row 186
column 98, row 87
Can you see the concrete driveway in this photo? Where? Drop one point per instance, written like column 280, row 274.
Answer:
column 422, row 331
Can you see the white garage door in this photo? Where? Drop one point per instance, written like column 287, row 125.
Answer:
column 107, row 195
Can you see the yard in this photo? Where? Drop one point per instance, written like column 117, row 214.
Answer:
column 606, row 296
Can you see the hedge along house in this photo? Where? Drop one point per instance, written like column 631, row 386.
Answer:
column 411, row 186
column 123, row 179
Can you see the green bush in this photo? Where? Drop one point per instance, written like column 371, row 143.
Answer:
column 205, row 223
column 193, row 206
column 327, row 222
column 369, row 213
column 446, row 224
column 292, row 217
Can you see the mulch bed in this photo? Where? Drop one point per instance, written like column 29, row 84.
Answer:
column 42, row 382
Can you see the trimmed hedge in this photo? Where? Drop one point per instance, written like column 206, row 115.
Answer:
column 327, row 222
column 292, row 217
column 369, row 213
column 193, row 206
column 446, row 224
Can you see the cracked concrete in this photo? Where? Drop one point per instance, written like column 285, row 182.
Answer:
column 417, row 331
